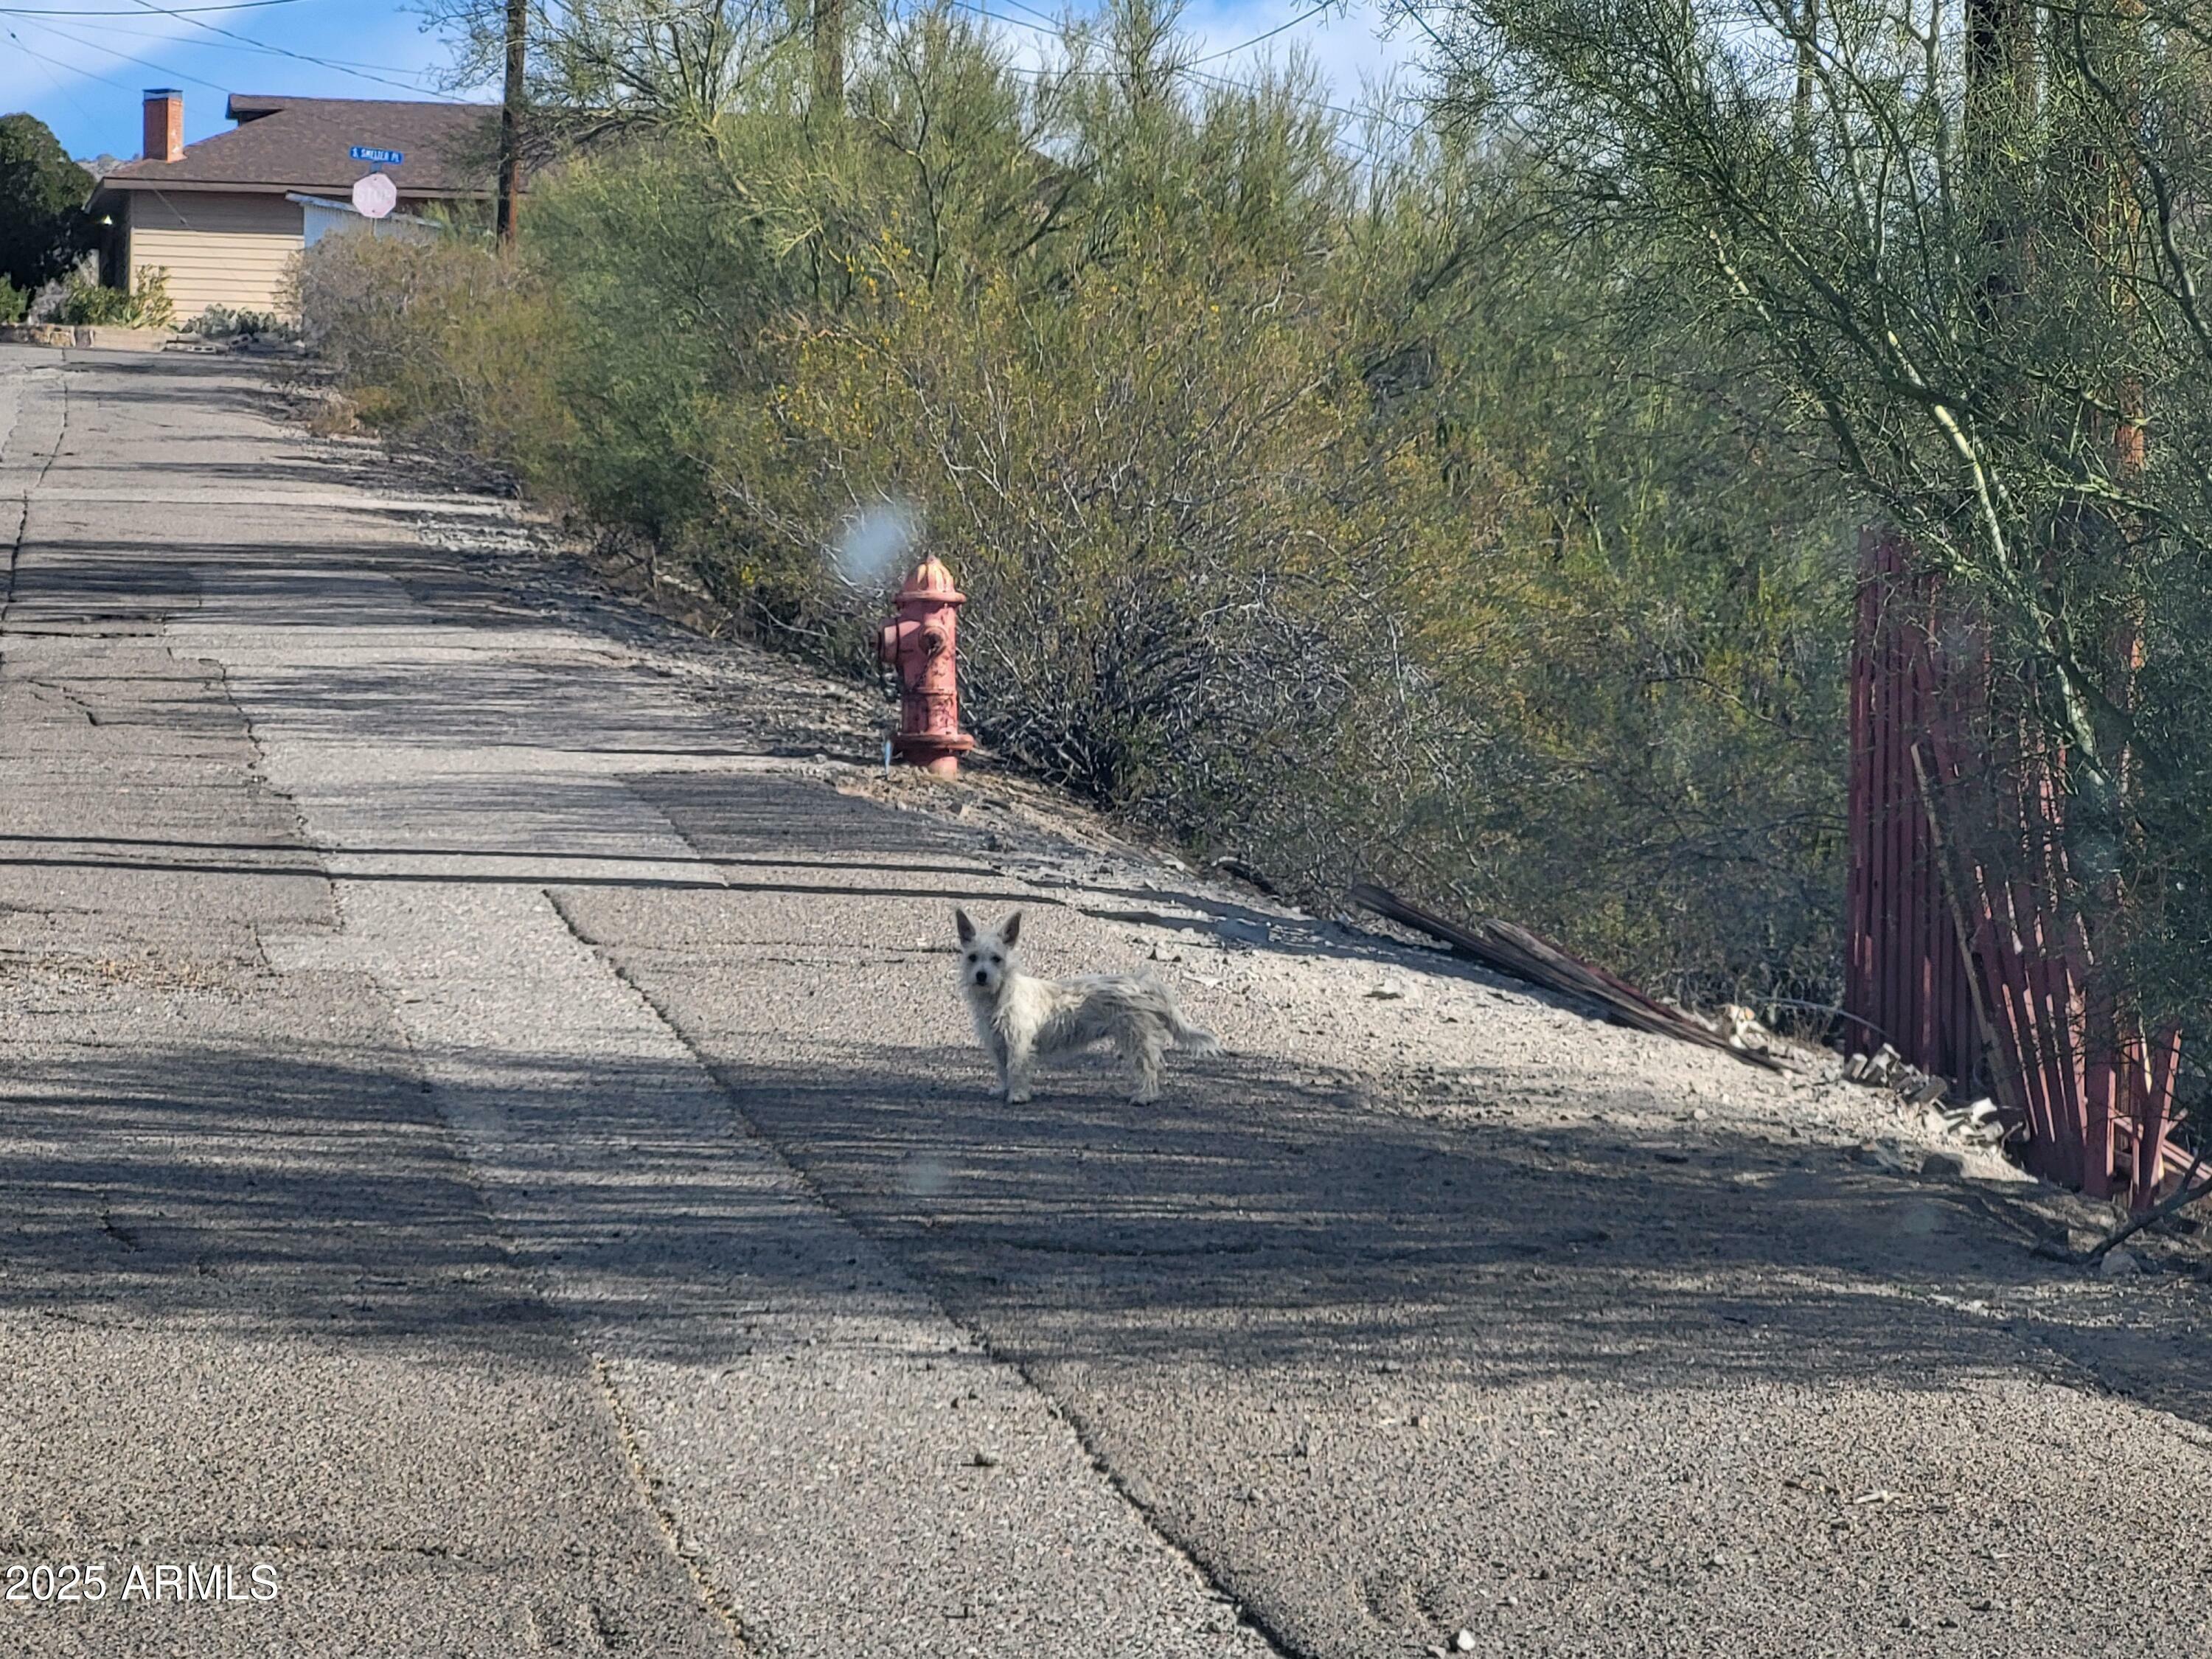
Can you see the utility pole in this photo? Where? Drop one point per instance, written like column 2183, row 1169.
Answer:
column 830, row 56
column 510, row 120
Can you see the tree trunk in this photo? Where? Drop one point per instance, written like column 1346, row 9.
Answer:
column 829, row 57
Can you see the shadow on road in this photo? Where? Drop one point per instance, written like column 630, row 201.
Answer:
column 1274, row 1221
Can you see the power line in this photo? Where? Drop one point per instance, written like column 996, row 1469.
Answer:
column 248, row 44
column 1226, row 82
column 1230, row 52
column 72, row 11
column 59, row 85
column 143, row 63
column 1056, row 27
column 217, row 45
column 1019, row 23
column 283, row 51
column 1229, row 84
column 1057, row 23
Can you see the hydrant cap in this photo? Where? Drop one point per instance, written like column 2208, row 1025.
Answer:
column 932, row 581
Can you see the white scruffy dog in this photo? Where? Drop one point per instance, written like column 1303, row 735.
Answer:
column 1021, row 1018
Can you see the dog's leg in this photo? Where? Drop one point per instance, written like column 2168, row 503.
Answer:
column 1141, row 1049
column 994, row 1044
column 1017, row 1073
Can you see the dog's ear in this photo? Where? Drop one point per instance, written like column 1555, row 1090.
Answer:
column 1010, row 929
column 967, row 927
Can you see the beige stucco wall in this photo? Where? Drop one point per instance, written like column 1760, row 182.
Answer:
column 232, row 251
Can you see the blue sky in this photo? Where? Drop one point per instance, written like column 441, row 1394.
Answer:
column 80, row 65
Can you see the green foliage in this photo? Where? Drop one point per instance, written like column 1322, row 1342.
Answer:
column 598, row 67
column 222, row 322
column 1314, row 506
column 15, row 302
column 146, row 304
column 43, row 226
column 1965, row 248
column 443, row 340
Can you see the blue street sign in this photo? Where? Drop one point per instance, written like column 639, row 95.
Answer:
column 387, row 157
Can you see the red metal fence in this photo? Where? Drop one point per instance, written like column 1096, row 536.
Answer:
column 1967, row 941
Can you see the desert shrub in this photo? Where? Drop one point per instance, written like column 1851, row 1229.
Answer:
column 1315, row 506
column 145, row 304
column 441, row 340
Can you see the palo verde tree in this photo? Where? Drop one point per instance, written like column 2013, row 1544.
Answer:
column 1965, row 242
column 601, row 68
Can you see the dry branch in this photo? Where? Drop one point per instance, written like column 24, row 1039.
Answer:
column 1514, row 950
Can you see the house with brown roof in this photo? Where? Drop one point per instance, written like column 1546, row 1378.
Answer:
column 223, row 216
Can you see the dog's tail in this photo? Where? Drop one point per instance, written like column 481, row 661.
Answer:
column 1188, row 1036
column 1191, row 1040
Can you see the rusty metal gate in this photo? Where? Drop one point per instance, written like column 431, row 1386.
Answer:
column 1965, row 941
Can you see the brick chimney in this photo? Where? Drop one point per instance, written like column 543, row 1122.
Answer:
column 165, row 125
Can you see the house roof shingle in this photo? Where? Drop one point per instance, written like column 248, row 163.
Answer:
column 284, row 144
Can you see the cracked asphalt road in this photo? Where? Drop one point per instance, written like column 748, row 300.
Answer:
column 493, row 1136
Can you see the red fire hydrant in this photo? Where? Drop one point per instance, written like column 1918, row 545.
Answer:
column 922, row 645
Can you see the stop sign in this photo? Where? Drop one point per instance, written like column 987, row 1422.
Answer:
column 375, row 195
